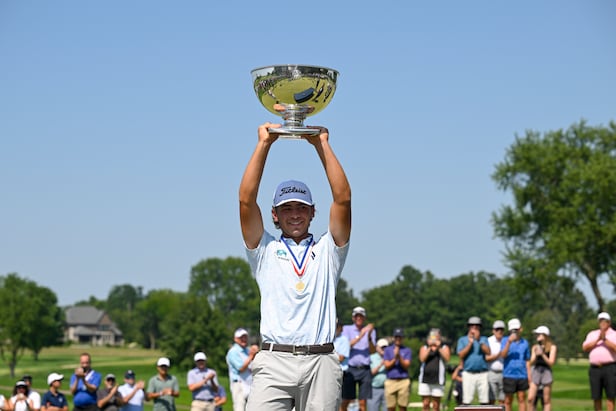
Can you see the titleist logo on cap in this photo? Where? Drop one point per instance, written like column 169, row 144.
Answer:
column 292, row 189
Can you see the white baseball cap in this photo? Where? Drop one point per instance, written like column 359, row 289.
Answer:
column 542, row 329
column 240, row 332
column 514, row 324
column 498, row 324
column 200, row 356
column 604, row 316
column 382, row 343
column 163, row 361
column 54, row 376
column 359, row 310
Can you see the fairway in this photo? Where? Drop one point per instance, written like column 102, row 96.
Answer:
column 571, row 391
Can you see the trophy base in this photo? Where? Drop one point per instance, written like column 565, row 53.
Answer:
column 294, row 133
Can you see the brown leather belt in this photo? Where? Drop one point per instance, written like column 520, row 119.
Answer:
column 299, row 349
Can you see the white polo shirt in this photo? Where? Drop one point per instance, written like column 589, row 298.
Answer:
column 298, row 284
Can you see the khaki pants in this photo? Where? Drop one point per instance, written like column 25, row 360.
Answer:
column 283, row 380
column 397, row 392
column 197, row 405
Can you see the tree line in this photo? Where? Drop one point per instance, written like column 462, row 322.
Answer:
column 559, row 229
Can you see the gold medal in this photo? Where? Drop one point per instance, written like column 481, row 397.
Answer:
column 300, row 286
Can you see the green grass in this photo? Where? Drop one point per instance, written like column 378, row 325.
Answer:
column 570, row 390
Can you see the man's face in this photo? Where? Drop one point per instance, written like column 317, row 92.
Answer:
column 474, row 329
column 200, row 364
column 84, row 361
column 110, row 382
column 359, row 320
column 604, row 324
column 498, row 332
column 293, row 218
column 162, row 369
column 242, row 341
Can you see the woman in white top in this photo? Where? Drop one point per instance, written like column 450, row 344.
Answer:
column 19, row 401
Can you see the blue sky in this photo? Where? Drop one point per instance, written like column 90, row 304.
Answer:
column 125, row 127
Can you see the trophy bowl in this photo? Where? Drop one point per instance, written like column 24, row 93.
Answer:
column 294, row 92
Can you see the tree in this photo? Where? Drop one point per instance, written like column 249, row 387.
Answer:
column 191, row 326
column 152, row 311
column 345, row 301
column 563, row 217
column 29, row 319
column 121, row 306
column 229, row 287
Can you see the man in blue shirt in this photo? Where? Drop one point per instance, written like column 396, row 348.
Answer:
column 84, row 383
column 239, row 360
column 472, row 349
column 516, row 368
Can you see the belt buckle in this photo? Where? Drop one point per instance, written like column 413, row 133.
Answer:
column 297, row 350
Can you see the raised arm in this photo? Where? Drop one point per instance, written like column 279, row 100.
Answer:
column 340, row 211
column 251, row 219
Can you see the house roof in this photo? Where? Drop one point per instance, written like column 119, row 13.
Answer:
column 83, row 315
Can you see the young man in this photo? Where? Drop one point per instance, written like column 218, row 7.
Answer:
column 132, row 392
column 84, row 383
column 239, row 360
column 515, row 352
column 203, row 384
column 163, row 388
column 297, row 277
column 601, row 346
column 54, row 400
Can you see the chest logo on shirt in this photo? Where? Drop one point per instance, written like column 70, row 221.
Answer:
column 282, row 254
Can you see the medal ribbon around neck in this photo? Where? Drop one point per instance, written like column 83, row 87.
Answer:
column 299, row 267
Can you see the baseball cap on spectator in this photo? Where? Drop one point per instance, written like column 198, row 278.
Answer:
column 292, row 190
column 514, row 324
column 604, row 316
column 474, row 320
column 54, row 376
column 163, row 362
column 542, row 329
column 398, row 332
column 359, row 311
column 498, row 324
column 109, row 377
column 240, row 332
column 200, row 356
column 382, row 343
column 21, row 384
column 129, row 374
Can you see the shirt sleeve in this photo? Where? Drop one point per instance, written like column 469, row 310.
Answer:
column 235, row 359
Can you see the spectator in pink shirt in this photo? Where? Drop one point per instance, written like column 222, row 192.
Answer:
column 601, row 346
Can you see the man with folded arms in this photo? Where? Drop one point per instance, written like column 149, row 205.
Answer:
column 601, row 346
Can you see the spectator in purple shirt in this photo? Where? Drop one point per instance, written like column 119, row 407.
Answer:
column 397, row 358
column 363, row 343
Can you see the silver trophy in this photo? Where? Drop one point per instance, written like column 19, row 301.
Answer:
column 294, row 92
